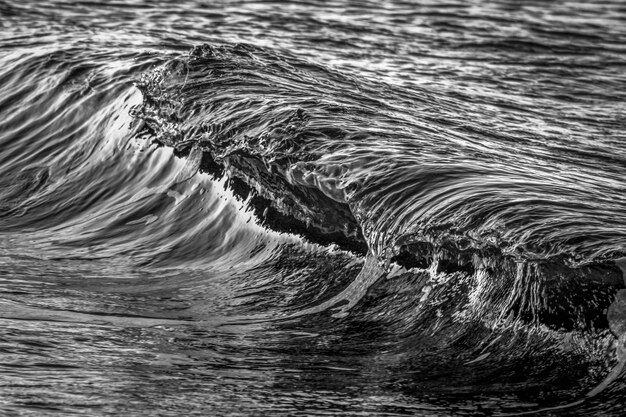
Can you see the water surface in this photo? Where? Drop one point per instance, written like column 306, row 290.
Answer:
column 293, row 208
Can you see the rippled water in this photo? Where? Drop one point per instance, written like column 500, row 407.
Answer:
column 360, row 208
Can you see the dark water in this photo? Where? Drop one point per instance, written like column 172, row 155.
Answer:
column 359, row 208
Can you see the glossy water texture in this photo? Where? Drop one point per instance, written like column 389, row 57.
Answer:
column 358, row 208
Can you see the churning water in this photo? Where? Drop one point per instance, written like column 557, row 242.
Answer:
column 289, row 208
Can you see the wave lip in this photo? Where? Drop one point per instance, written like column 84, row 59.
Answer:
column 257, row 143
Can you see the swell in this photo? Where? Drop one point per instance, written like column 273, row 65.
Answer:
column 382, row 171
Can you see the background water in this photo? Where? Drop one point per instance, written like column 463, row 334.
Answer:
column 360, row 208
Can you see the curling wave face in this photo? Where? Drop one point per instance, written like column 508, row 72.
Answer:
column 382, row 222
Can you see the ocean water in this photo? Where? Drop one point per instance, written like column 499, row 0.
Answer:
column 302, row 208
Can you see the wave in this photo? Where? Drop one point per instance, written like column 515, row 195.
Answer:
column 371, row 168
